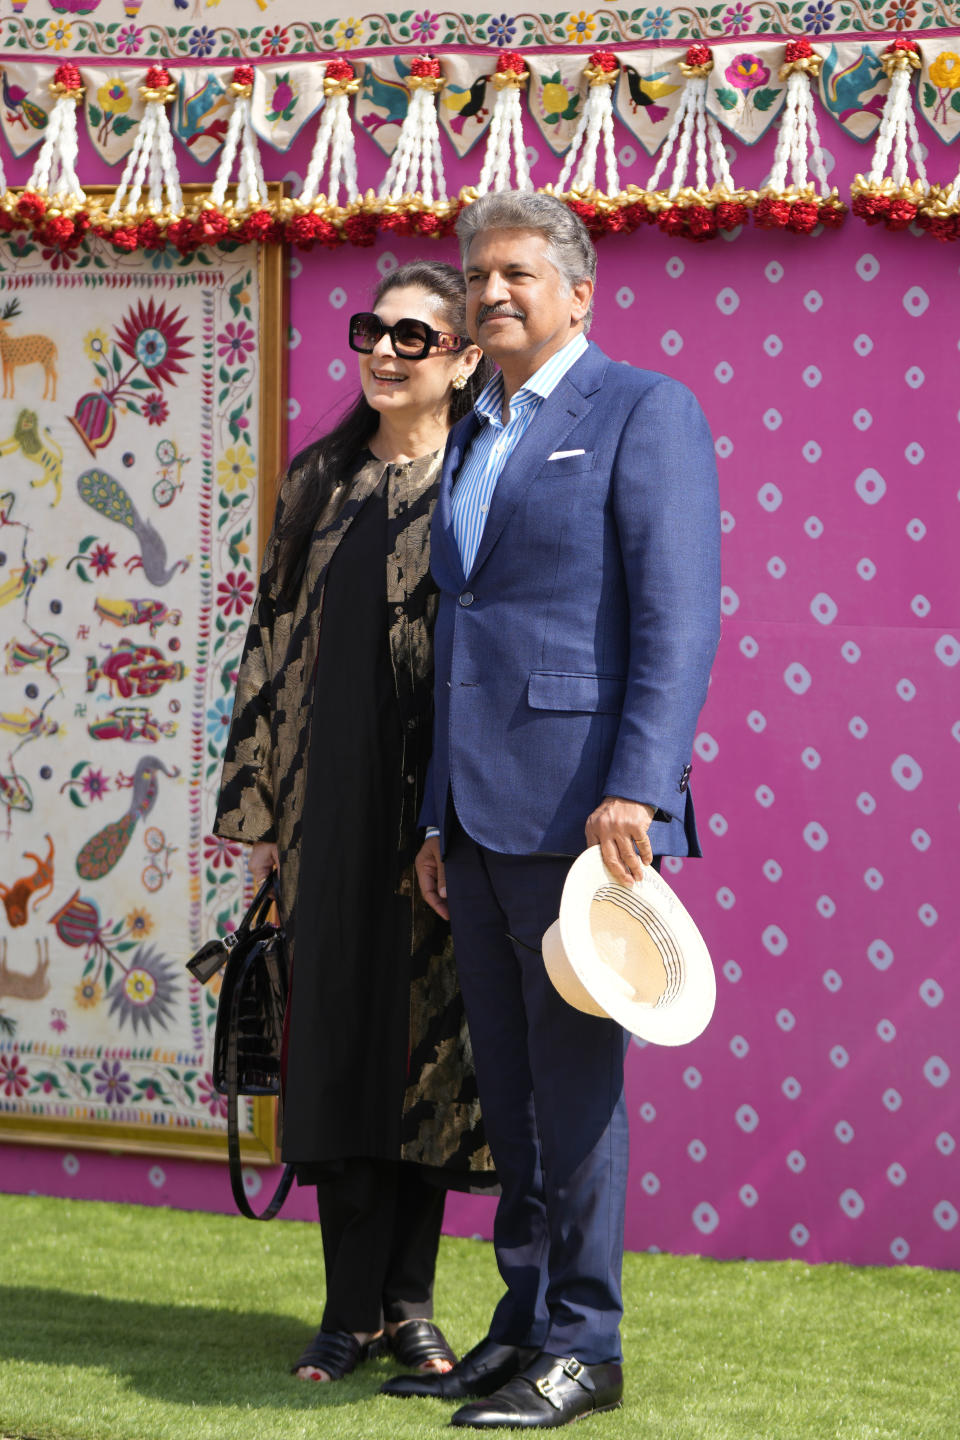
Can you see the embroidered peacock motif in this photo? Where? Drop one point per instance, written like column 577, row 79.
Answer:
column 108, row 497
column 103, row 850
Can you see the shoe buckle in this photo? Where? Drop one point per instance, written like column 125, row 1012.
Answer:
column 573, row 1368
column 548, row 1390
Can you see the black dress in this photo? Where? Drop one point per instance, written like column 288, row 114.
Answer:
column 348, row 1029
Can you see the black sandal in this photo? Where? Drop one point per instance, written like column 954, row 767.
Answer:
column 338, row 1352
column 416, row 1341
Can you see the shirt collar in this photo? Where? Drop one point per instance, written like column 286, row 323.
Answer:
column 489, row 403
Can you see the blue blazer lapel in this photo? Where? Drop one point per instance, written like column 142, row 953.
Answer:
column 559, row 413
column 445, row 552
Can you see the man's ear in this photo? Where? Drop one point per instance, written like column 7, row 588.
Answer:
column 582, row 294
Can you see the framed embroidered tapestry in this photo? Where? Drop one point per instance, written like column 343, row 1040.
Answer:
column 141, row 434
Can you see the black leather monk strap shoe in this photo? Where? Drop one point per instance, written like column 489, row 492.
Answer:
column 481, row 1371
column 551, row 1391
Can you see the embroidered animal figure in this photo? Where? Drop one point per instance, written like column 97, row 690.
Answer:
column 47, row 454
column 25, row 350
column 103, row 850
column 20, row 110
column 16, row 897
column 108, row 497
column 21, row 985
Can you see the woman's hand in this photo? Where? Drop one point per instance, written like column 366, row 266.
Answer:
column 261, row 859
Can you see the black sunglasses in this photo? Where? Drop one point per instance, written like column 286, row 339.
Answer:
column 411, row 339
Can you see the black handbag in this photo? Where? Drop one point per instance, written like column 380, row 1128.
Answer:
column 248, row 1038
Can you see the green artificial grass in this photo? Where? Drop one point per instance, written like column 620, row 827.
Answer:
column 122, row 1323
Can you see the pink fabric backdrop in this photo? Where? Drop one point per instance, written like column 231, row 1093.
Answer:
column 817, row 1117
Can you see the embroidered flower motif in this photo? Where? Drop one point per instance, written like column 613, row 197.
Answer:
column 95, row 344
column 60, row 254
column 236, row 342
column 818, row 17
column 129, row 39
column 747, row 72
column 94, row 784
column 146, row 992
column 274, row 41
column 14, row 1077
column 202, row 41
column 736, row 19
column 901, row 14
column 945, row 71
column 349, row 33
column 210, row 1098
column 102, row 559
column 113, row 98
column 656, row 23
column 155, row 409
column 219, row 851
column 234, row 593
column 113, row 1082
column 501, row 30
column 581, row 27
column 152, row 335
column 235, row 469
column 425, row 26
column 58, row 35
column 218, row 718
column 140, row 922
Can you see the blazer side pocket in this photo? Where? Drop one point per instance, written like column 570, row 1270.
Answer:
column 560, row 690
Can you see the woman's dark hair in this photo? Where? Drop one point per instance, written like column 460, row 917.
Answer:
column 329, row 460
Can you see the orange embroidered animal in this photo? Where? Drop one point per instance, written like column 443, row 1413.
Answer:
column 16, row 897
column 25, row 350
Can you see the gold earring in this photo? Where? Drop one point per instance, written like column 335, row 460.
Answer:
column 460, row 382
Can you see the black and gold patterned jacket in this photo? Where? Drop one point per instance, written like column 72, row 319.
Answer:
column 265, row 772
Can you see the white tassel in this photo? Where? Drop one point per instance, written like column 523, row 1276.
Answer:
column 893, row 198
column 334, row 144
column 241, row 137
column 700, row 210
column 790, row 201
column 505, row 138
column 416, row 167
column 152, row 159
column 55, row 173
column 596, row 123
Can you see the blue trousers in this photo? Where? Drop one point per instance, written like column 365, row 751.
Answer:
column 551, row 1091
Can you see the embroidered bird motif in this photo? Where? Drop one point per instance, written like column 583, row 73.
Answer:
column 103, row 850
column 20, row 110
column 466, row 104
column 646, row 90
column 108, row 497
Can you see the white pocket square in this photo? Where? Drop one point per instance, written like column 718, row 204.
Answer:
column 564, row 454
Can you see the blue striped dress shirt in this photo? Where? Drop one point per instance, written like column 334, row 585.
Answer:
column 494, row 443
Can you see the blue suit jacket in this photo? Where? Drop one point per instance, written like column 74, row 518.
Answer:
column 573, row 661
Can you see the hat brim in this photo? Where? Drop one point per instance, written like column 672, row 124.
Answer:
column 586, row 980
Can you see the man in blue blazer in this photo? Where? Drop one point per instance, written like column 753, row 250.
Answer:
column 575, row 544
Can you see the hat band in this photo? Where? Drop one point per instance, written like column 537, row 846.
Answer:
column 669, row 954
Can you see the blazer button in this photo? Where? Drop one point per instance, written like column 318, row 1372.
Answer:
column 466, row 598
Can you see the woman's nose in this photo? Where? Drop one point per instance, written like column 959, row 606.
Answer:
column 384, row 345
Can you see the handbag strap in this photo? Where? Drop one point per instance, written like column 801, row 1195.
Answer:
column 233, row 1122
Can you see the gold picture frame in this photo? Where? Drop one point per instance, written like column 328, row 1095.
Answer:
column 25, row 1117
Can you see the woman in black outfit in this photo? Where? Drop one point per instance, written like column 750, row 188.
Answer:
column 323, row 775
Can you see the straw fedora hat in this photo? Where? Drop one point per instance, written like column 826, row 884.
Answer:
column 630, row 952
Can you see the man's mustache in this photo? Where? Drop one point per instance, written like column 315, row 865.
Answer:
column 487, row 311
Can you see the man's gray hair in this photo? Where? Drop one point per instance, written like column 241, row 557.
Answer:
column 570, row 249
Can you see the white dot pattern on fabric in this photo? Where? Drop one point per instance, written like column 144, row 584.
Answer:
column 866, row 746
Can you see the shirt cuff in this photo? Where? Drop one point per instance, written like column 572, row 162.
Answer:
column 431, row 832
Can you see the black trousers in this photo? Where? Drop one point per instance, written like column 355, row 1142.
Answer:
column 380, row 1222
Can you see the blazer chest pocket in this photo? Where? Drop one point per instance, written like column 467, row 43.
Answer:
column 565, row 465
column 557, row 690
